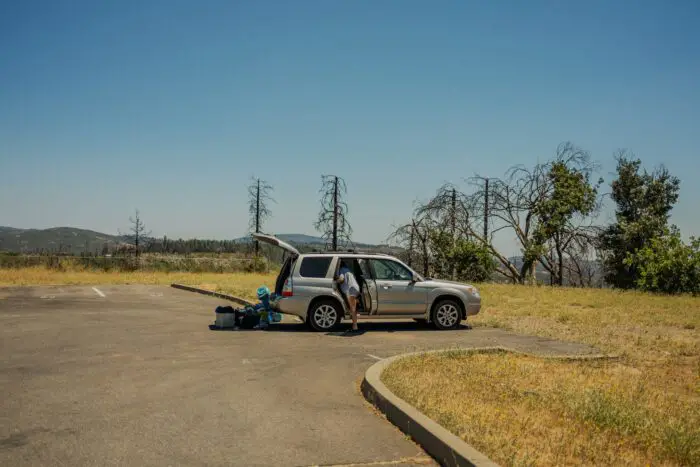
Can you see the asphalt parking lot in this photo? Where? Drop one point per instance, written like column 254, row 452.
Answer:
column 132, row 375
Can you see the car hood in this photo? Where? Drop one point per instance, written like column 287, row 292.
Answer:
column 454, row 284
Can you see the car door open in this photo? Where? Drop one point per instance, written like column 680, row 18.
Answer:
column 361, row 269
column 369, row 287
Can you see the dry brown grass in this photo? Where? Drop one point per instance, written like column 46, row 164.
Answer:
column 644, row 408
column 239, row 284
column 658, row 335
column 528, row 411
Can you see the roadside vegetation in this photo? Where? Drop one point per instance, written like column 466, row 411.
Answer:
column 641, row 409
column 528, row 411
column 239, row 284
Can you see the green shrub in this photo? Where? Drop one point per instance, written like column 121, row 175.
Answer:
column 667, row 265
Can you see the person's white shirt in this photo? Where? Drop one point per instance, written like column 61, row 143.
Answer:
column 349, row 284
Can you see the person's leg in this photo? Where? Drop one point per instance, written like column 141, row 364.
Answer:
column 352, row 301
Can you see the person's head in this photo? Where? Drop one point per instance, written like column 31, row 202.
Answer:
column 344, row 265
column 263, row 292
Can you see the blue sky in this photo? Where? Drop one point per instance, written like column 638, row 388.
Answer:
column 171, row 106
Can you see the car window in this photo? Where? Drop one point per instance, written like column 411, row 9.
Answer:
column 364, row 266
column 315, row 266
column 388, row 270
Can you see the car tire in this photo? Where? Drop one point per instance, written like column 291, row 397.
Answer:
column 446, row 315
column 325, row 315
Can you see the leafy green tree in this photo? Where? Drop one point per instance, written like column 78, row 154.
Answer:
column 667, row 265
column 461, row 258
column 572, row 198
column 643, row 206
column 546, row 207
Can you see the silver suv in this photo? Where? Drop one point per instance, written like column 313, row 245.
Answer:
column 390, row 290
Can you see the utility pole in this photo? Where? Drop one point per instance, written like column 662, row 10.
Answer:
column 410, row 245
column 257, row 217
column 333, row 218
column 258, row 207
column 486, row 210
column 453, row 222
column 335, row 214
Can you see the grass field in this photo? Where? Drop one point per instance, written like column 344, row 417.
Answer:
column 641, row 409
column 240, row 284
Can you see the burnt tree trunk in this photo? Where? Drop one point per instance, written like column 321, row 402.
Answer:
column 257, row 218
column 335, row 214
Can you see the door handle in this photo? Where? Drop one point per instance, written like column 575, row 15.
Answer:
column 386, row 286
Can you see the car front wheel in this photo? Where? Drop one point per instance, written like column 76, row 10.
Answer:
column 446, row 315
column 324, row 315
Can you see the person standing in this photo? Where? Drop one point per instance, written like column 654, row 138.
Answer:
column 349, row 286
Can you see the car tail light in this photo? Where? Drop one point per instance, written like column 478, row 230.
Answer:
column 287, row 290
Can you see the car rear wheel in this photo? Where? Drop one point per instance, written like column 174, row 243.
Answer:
column 324, row 315
column 446, row 315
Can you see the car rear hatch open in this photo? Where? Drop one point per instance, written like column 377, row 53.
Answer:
column 283, row 278
column 272, row 240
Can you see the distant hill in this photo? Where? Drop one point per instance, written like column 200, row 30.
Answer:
column 56, row 239
column 297, row 239
column 305, row 240
column 73, row 240
column 300, row 239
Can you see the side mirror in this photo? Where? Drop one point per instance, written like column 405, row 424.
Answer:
column 415, row 278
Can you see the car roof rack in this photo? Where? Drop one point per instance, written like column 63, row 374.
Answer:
column 349, row 252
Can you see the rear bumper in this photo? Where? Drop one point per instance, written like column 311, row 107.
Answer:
column 294, row 305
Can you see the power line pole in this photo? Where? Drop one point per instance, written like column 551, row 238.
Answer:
column 257, row 216
column 335, row 214
column 258, row 207
column 410, row 245
column 332, row 219
column 486, row 210
column 453, row 222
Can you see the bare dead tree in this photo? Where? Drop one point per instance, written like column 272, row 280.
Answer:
column 414, row 238
column 570, row 254
column 582, row 266
column 486, row 207
column 517, row 203
column 137, row 236
column 333, row 217
column 447, row 212
column 259, row 198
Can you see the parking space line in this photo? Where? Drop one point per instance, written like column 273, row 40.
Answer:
column 374, row 357
column 99, row 292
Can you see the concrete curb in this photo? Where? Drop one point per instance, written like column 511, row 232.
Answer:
column 443, row 446
column 231, row 298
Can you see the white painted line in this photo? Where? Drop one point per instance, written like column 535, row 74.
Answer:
column 374, row 357
column 99, row 292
